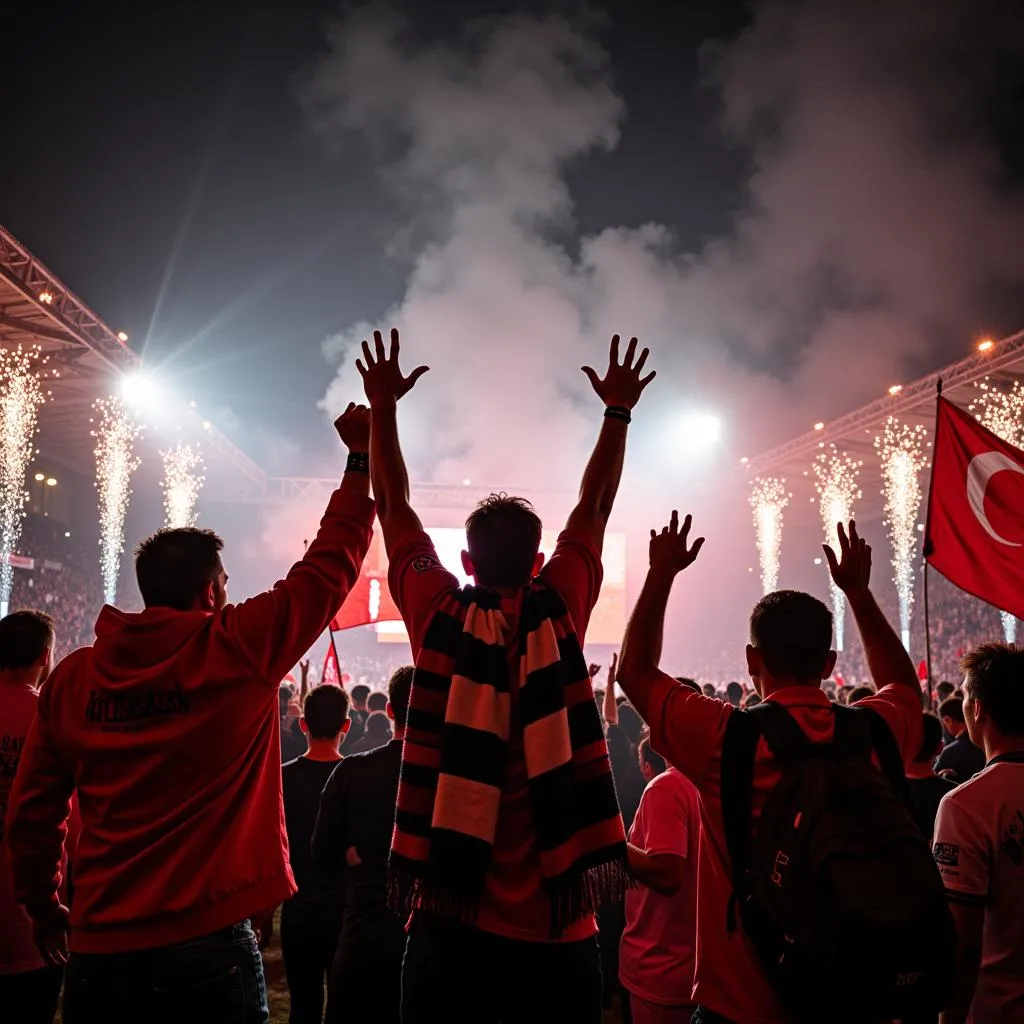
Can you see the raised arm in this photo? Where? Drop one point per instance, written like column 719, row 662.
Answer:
column 620, row 390
column 278, row 627
column 384, row 386
column 638, row 671
column 888, row 661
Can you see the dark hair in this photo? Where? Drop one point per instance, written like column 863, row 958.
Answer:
column 994, row 675
column 377, row 701
column 24, row 636
column 734, row 693
column 399, row 688
column 931, row 739
column 692, row 684
column 709, row 690
column 648, row 755
column 173, row 566
column 793, row 632
column 952, row 707
column 859, row 693
column 360, row 694
column 631, row 723
column 378, row 724
column 944, row 689
column 503, row 535
column 325, row 710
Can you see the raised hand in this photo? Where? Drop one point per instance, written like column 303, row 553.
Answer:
column 622, row 385
column 382, row 378
column 851, row 571
column 353, row 427
column 670, row 550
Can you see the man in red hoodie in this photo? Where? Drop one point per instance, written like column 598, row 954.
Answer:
column 168, row 729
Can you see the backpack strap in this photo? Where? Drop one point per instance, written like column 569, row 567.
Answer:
column 739, row 747
column 883, row 743
column 852, row 736
column 787, row 742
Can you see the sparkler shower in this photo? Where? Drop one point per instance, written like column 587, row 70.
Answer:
column 901, row 449
column 768, row 499
column 21, row 395
column 837, row 490
column 183, row 480
column 1002, row 412
column 115, row 433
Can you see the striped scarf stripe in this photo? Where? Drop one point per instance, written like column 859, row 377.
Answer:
column 455, row 753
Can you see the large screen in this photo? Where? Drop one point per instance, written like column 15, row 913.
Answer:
column 607, row 623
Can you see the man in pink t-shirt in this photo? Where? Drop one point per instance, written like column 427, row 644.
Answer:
column 657, row 955
column 27, row 981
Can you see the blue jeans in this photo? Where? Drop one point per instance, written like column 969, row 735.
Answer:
column 216, row 979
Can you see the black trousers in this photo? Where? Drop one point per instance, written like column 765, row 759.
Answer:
column 215, row 979
column 31, row 997
column 308, row 942
column 464, row 976
column 366, row 982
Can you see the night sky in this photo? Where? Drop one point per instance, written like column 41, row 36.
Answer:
column 160, row 163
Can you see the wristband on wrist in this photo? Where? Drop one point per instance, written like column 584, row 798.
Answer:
column 618, row 412
column 358, row 462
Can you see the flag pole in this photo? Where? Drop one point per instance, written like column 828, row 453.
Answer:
column 337, row 662
column 927, row 550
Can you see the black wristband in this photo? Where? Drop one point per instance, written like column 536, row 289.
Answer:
column 358, row 462
column 618, row 412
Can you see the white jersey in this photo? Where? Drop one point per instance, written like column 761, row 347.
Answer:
column 979, row 848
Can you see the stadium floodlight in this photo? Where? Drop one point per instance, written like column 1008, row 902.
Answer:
column 141, row 391
column 701, row 430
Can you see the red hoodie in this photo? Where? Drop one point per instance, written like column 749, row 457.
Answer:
column 168, row 728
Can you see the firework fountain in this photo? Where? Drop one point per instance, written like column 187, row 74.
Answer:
column 183, row 480
column 901, row 449
column 1002, row 412
column 21, row 395
column 115, row 432
column 837, row 491
column 768, row 499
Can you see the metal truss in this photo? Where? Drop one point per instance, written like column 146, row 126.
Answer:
column 58, row 315
column 912, row 400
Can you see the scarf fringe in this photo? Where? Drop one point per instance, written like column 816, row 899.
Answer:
column 407, row 893
column 574, row 897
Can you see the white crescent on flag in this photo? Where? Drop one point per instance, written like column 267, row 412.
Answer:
column 980, row 471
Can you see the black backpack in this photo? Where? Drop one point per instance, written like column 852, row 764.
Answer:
column 837, row 889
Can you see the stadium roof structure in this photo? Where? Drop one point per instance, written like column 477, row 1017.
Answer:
column 89, row 359
column 998, row 362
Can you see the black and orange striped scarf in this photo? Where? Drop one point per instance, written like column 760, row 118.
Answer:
column 455, row 753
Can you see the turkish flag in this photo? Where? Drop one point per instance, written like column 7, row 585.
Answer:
column 331, row 675
column 975, row 531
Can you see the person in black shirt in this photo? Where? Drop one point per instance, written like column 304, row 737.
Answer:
column 357, row 717
column 961, row 758
column 311, row 919
column 926, row 788
column 352, row 839
column 377, row 732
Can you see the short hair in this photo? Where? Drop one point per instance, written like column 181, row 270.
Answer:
column 952, row 707
column 859, row 693
column 377, row 701
column 994, row 675
column 360, row 693
column 378, row 724
column 931, row 739
column 709, row 690
column 399, row 688
column 648, row 755
column 734, row 693
column 793, row 633
column 944, row 689
column 325, row 710
column 503, row 535
column 24, row 637
column 174, row 565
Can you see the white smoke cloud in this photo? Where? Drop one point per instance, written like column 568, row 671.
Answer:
column 875, row 231
column 873, row 226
